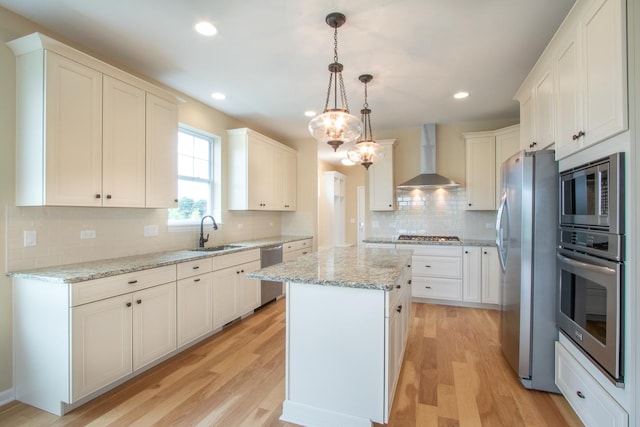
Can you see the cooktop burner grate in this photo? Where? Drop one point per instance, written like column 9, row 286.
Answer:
column 415, row 238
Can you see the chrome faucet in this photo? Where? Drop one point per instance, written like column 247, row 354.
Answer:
column 203, row 239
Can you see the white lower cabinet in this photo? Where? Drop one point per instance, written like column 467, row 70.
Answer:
column 195, row 307
column 293, row 250
column 481, row 278
column 437, row 271
column 589, row 400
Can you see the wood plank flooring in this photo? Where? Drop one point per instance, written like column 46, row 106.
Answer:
column 453, row 375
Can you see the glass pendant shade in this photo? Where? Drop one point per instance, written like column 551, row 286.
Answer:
column 335, row 126
column 366, row 151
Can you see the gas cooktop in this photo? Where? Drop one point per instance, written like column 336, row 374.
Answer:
column 414, row 238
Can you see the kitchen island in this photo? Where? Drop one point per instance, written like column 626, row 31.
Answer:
column 348, row 314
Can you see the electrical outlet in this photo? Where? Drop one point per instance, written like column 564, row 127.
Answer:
column 87, row 234
column 29, row 238
column 150, row 230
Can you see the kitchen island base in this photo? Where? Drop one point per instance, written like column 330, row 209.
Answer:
column 344, row 350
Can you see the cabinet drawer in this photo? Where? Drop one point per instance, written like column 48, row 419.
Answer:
column 94, row 290
column 434, row 266
column 426, row 287
column 592, row 403
column 297, row 245
column 433, row 250
column 229, row 260
column 195, row 267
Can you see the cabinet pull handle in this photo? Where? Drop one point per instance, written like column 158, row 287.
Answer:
column 578, row 135
column 97, row 196
column 128, row 304
column 138, row 301
column 108, row 196
column 427, row 287
column 399, row 309
column 195, row 267
column 196, row 280
column 409, row 281
column 398, row 286
column 580, row 395
column 304, row 252
column 132, row 282
column 428, row 266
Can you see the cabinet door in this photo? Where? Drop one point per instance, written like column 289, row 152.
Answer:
column 73, row 133
column 568, row 99
column 100, row 344
column 544, row 122
column 381, row 186
column 225, row 296
column 471, row 277
column 161, row 153
column 604, row 69
column 248, row 289
column 288, row 180
column 481, row 173
column 526, row 123
column 506, row 146
column 123, row 144
column 261, row 174
column 490, row 276
column 195, row 307
column 154, row 323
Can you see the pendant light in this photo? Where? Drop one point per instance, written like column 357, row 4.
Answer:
column 335, row 126
column 366, row 150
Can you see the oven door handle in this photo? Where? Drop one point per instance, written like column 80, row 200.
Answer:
column 587, row 266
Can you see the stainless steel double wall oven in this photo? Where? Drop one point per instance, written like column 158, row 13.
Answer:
column 590, row 261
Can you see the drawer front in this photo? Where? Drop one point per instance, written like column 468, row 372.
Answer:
column 439, row 288
column 94, row 290
column 433, row 250
column 435, row 266
column 193, row 268
column 289, row 247
column 229, row 260
column 592, row 403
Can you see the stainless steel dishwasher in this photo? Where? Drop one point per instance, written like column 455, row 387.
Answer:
column 270, row 290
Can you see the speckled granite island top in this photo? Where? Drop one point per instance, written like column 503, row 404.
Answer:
column 462, row 242
column 344, row 267
column 80, row 272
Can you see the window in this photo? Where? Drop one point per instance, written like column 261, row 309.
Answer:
column 197, row 183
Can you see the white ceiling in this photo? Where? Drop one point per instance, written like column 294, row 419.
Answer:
column 270, row 57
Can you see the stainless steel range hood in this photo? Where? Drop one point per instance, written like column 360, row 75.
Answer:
column 428, row 177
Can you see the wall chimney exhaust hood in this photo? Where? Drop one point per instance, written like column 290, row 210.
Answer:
column 428, row 177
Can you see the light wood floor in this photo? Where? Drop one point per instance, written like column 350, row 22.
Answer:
column 453, row 375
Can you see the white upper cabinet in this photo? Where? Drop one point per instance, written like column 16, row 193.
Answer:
column 262, row 172
column 586, row 60
column 83, row 131
column 485, row 153
column 382, row 196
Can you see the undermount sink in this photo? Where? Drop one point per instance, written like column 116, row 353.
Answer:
column 217, row 248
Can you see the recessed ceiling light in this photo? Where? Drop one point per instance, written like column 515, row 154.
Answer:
column 347, row 162
column 218, row 95
column 206, row 28
column 309, row 113
column 461, row 95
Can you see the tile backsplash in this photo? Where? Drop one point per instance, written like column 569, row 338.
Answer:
column 433, row 212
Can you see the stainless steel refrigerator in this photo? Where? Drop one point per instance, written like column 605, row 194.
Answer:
column 527, row 225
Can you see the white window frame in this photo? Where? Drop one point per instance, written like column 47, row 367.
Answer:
column 216, row 181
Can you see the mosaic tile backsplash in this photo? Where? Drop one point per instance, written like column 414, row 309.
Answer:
column 433, row 212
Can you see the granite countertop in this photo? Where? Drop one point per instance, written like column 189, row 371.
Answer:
column 80, row 272
column 462, row 242
column 344, row 267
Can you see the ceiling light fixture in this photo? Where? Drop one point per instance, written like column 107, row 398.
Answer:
column 206, row 28
column 366, row 151
column 461, row 95
column 335, row 126
column 218, row 95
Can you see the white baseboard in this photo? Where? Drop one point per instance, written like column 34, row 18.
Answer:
column 7, row 396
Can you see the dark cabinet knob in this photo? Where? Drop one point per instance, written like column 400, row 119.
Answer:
column 138, row 301
column 399, row 309
column 398, row 286
column 580, row 395
column 128, row 304
column 466, row 252
column 390, row 205
column 175, row 200
column 97, row 196
column 409, row 281
column 108, row 196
